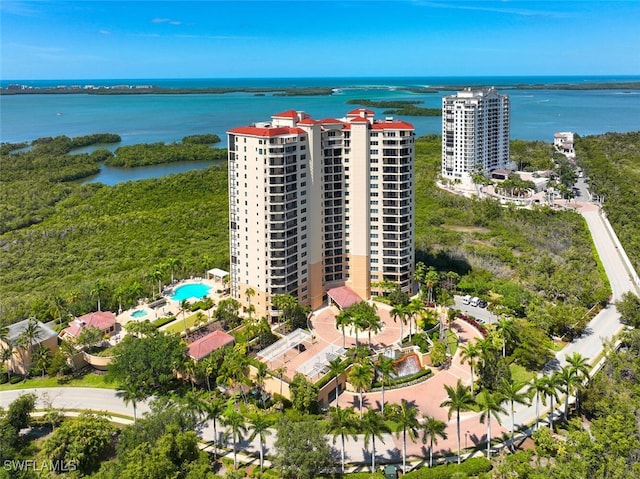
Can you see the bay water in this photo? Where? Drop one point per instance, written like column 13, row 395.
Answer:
column 536, row 114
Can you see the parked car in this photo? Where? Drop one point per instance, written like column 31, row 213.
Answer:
column 474, row 301
column 482, row 303
column 466, row 299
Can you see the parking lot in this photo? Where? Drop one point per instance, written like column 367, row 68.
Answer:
column 483, row 315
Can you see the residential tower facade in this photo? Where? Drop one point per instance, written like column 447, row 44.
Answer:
column 316, row 205
column 475, row 134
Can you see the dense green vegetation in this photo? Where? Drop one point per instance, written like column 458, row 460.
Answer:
column 206, row 139
column 531, row 155
column 505, row 254
column 398, row 107
column 157, row 153
column 612, row 162
column 61, row 239
column 115, row 239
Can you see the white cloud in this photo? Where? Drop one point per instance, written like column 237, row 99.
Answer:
column 166, row 20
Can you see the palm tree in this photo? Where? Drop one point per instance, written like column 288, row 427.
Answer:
column 343, row 319
column 430, row 281
column 40, row 358
column 553, row 385
column 432, row 429
column 386, row 370
column 173, row 263
column 490, row 405
column 539, row 388
column 512, row 391
column 214, row 409
column 6, row 350
column 157, row 275
column 69, row 350
column 6, row 355
column 506, row 328
column 98, row 288
column 460, row 399
column 31, row 333
column 414, row 309
column 250, row 293
column 342, row 422
column 336, row 368
column 130, row 394
column 236, row 428
column 469, row 353
column 184, row 307
column 581, row 366
column 373, row 426
column 361, row 376
column 373, row 325
column 400, row 312
column 568, row 377
column 260, row 429
column 406, row 415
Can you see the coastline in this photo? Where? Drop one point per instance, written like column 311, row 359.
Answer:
column 20, row 89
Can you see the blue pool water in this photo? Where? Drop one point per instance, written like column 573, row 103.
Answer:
column 193, row 290
column 139, row 313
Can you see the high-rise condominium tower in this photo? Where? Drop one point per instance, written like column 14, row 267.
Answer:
column 475, row 134
column 316, row 205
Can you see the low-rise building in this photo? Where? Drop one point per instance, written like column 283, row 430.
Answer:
column 105, row 321
column 203, row 347
column 23, row 338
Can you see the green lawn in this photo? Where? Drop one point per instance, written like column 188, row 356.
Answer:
column 89, row 380
column 518, row 373
column 178, row 325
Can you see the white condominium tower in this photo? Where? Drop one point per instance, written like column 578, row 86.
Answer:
column 316, row 205
column 475, row 134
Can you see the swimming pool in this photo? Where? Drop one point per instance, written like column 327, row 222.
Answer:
column 139, row 313
column 191, row 290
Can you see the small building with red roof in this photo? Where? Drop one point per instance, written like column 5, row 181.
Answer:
column 203, row 347
column 343, row 296
column 105, row 321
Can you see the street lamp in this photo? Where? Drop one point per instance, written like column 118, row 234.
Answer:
column 466, row 437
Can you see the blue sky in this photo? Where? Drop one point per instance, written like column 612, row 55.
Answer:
column 230, row 39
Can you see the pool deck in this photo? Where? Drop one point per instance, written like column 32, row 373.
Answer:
column 172, row 306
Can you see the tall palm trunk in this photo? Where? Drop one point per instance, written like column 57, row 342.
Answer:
column 489, row 436
column 342, row 437
column 458, row 424
column 373, row 454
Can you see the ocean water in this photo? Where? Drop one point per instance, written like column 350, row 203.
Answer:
column 536, row 114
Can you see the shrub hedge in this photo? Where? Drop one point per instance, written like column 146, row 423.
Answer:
column 469, row 468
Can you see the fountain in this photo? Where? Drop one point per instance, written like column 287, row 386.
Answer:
column 408, row 365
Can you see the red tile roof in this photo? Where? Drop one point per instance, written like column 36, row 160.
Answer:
column 359, row 119
column 344, row 296
column 392, row 125
column 331, row 121
column 266, row 131
column 307, row 121
column 357, row 112
column 202, row 347
column 103, row 320
column 287, row 114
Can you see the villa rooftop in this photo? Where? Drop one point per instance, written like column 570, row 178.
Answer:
column 203, row 347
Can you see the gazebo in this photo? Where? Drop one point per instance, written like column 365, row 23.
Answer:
column 217, row 274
